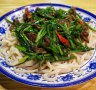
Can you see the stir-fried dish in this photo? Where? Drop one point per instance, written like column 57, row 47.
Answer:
column 49, row 34
column 48, row 41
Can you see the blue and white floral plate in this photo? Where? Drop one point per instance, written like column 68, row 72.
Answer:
column 69, row 79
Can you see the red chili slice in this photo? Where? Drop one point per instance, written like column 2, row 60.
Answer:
column 62, row 39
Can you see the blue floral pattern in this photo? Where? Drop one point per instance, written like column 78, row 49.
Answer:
column 34, row 77
column 13, row 17
column 68, row 77
column 31, row 10
column 92, row 65
column 5, row 64
column 87, row 19
column 2, row 30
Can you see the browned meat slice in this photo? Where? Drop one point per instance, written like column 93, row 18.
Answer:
column 33, row 21
column 72, row 11
column 86, row 27
column 84, row 36
column 31, row 36
column 61, row 21
column 53, row 14
column 11, row 28
column 16, row 22
column 39, row 50
column 25, row 18
column 46, row 41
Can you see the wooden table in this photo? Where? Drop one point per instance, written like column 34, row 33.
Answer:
column 7, row 5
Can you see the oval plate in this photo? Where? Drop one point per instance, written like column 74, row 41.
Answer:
column 69, row 79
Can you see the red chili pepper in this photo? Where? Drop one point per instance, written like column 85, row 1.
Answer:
column 62, row 39
column 29, row 15
column 81, row 22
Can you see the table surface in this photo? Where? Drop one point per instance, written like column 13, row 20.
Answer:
column 7, row 5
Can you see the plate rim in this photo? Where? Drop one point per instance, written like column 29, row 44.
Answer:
column 42, row 84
